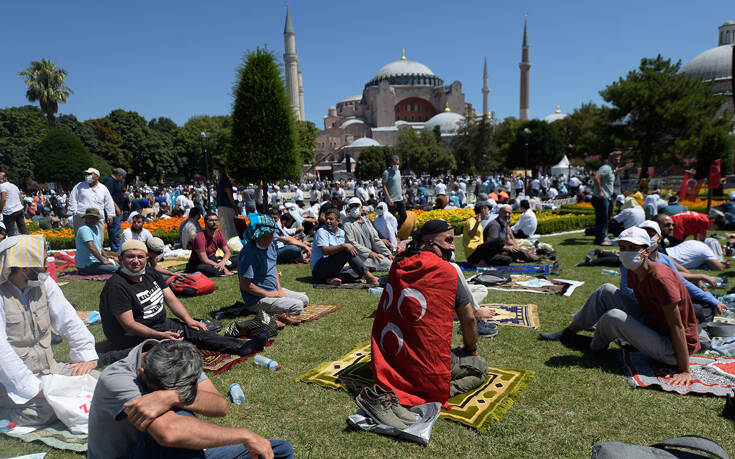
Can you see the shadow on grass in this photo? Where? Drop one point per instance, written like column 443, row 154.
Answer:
column 576, row 241
column 606, row 361
column 305, row 279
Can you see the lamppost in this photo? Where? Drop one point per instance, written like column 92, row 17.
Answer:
column 526, row 133
column 570, row 148
column 203, row 140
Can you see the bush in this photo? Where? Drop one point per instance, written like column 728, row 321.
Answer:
column 61, row 157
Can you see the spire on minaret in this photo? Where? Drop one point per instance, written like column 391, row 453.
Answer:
column 403, row 54
column 525, row 67
column 292, row 67
column 485, row 91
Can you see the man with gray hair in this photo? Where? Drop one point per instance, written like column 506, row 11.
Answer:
column 499, row 247
column 145, row 405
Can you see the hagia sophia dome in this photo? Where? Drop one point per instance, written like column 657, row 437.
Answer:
column 556, row 116
column 715, row 63
column 447, row 121
column 406, row 72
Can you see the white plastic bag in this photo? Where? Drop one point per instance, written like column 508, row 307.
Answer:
column 71, row 399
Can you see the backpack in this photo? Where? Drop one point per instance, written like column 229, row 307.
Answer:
column 194, row 284
column 689, row 447
column 491, row 278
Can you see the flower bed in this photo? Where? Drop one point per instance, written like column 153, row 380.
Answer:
column 549, row 221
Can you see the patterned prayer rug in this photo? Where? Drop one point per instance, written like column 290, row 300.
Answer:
column 316, row 311
column 74, row 275
column 219, row 362
column 56, row 436
column 714, row 376
column 519, row 315
column 479, row 408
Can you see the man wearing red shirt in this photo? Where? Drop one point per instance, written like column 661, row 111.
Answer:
column 693, row 223
column 663, row 324
column 204, row 248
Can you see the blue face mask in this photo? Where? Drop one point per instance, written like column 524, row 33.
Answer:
column 130, row 273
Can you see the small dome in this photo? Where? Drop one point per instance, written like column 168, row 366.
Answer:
column 556, row 116
column 350, row 122
column 364, row 142
column 448, row 122
column 713, row 64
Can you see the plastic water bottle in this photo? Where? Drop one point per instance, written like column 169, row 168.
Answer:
column 610, row 272
column 728, row 314
column 6, row 425
column 265, row 362
column 237, row 394
column 722, row 282
column 376, row 290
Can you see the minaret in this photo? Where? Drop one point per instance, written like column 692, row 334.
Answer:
column 525, row 67
column 485, row 92
column 291, row 61
column 301, row 96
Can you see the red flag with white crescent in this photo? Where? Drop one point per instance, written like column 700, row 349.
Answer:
column 715, row 174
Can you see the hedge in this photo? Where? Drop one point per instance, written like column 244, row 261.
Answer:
column 63, row 243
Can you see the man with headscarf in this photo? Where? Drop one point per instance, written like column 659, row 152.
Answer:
column 386, row 225
column 260, row 284
column 359, row 232
column 412, row 333
column 30, row 303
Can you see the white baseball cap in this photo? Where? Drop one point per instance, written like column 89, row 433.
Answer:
column 354, row 200
column 92, row 170
column 635, row 235
column 731, row 195
column 651, row 224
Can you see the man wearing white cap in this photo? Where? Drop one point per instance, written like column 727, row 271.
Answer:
column 360, row 232
column 31, row 303
column 91, row 193
column 661, row 325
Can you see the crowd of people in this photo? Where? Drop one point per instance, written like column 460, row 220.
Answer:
column 153, row 386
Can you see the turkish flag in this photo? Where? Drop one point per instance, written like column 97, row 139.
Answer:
column 714, row 175
column 685, row 184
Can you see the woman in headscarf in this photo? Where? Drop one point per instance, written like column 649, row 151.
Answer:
column 386, row 224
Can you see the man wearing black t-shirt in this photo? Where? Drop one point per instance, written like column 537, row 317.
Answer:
column 132, row 310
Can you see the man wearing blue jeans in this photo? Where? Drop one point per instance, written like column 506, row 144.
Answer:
column 113, row 185
column 604, row 181
column 145, row 406
column 89, row 258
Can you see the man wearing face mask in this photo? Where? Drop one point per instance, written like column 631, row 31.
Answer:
column 499, row 247
column 30, row 303
column 90, row 193
column 260, row 283
column 360, row 232
column 132, row 306
column 660, row 322
column 393, row 191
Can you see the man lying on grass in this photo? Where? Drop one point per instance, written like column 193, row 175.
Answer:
column 661, row 324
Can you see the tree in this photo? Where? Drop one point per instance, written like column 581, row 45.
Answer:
column 372, row 162
column 424, row 153
column 586, row 130
column 545, row 147
column 714, row 143
column 475, row 146
column 61, row 157
column 46, row 84
column 660, row 112
column 21, row 131
column 264, row 139
column 188, row 147
column 307, row 133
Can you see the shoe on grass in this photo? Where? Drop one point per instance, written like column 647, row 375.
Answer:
column 486, row 329
column 405, row 415
column 379, row 408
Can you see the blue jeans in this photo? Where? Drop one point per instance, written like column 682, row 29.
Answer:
column 288, row 253
column 601, row 218
column 113, row 231
column 98, row 268
column 146, row 447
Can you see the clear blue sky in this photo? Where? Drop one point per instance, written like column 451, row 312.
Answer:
column 178, row 58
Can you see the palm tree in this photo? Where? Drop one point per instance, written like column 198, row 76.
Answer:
column 46, row 85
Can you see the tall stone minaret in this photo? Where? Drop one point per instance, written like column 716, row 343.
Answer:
column 291, row 61
column 301, row 96
column 525, row 67
column 485, row 92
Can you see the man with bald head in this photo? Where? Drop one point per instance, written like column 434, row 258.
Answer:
column 412, row 333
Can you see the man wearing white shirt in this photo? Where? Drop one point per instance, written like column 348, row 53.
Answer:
column 552, row 193
column 91, row 193
column 30, row 303
column 440, row 188
column 12, row 206
column 136, row 230
column 525, row 227
column 298, row 197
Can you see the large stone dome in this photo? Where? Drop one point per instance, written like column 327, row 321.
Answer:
column 406, row 72
column 713, row 64
column 448, row 122
column 364, row 142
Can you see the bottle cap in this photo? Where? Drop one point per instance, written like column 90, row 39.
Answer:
column 11, row 426
column 278, row 367
column 233, row 385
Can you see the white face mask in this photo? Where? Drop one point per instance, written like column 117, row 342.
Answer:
column 379, row 212
column 89, row 179
column 631, row 260
column 257, row 244
column 395, row 167
column 130, row 273
column 355, row 212
column 39, row 281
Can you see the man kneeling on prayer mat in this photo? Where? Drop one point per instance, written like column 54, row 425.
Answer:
column 132, row 307
column 662, row 324
column 412, row 333
column 31, row 303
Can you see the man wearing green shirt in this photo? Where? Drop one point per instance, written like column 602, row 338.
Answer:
column 603, row 181
column 392, row 190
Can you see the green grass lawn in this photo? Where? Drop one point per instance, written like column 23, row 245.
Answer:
column 575, row 400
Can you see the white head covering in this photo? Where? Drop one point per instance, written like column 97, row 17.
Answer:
column 386, row 224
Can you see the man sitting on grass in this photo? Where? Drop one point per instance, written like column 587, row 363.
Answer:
column 691, row 254
column 661, row 323
column 204, row 251
column 89, row 258
column 499, row 247
column 145, row 406
column 361, row 233
column 136, row 230
column 330, row 252
column 412, row 333
column 526, row 225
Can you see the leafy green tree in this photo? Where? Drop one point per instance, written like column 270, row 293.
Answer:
column 656, row 110
column 99, row 163
column 46, row 85
column 188, row 146
column 545, row 146
column 163, row 125
column 61, row 158
column 21, row 131
column 475, row 146
column 423, row 152
column 307, row 133
column 264, row 140
column 714, row 143
column 372, row 162
column 586, row 130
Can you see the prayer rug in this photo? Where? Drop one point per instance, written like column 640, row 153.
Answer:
column 316, row 311
column 56, row 436
column 540, row 284
column 346, row 285
column 219, row 362
column 714, row 376
column 74, row 275
column 478, row 408
column 519, row 315
column 172, row 262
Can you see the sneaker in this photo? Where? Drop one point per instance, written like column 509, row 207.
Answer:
column 379, row 408
column 486, row 329
column 405, row 415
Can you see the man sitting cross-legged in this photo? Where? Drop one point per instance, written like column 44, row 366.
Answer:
column 499, row 247
column 330, row 252
column 132, row 306
column 661, row 323
column 361, row 233
column 144, row 406
column 204, row 251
